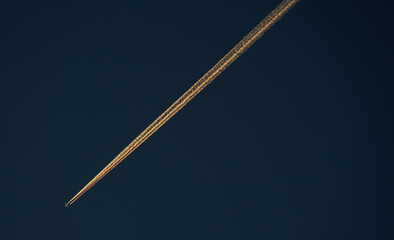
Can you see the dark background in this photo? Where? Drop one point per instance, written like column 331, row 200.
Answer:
column 293, row 141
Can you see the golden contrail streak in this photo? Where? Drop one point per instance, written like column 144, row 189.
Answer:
column 215, row 71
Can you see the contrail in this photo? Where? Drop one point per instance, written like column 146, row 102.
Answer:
column 215, row 71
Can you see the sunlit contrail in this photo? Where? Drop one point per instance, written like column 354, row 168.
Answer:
column 215, row 71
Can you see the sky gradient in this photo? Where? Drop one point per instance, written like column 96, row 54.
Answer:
column 293, row 141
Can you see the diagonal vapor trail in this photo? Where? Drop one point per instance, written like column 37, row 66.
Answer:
column 215, row 71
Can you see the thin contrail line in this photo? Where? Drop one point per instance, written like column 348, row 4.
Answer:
column 215, row 71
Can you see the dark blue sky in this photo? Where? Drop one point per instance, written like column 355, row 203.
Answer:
column 293, row 141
